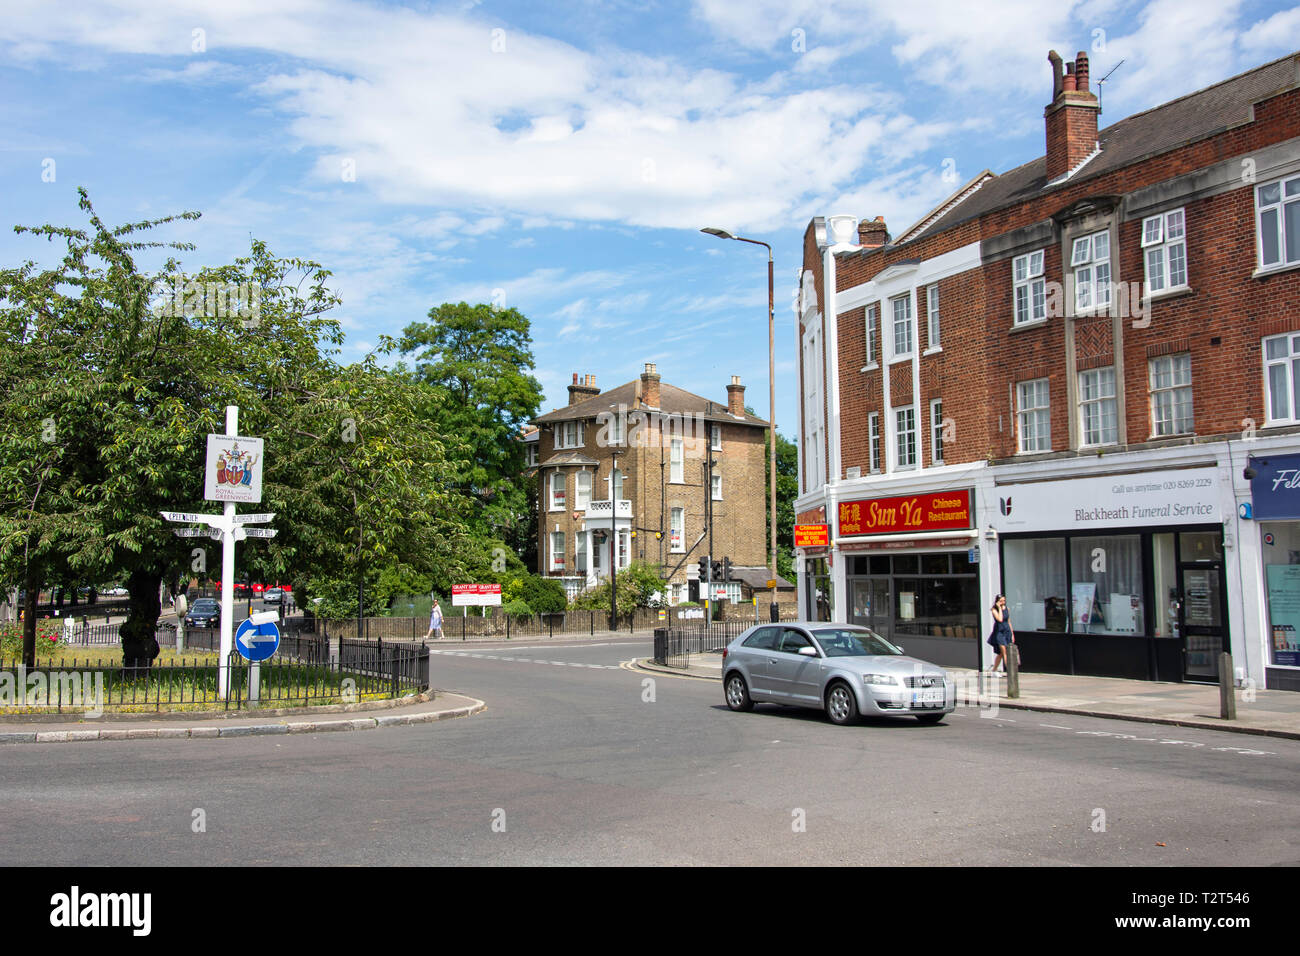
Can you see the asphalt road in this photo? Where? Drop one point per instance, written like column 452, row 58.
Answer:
column 574, row 763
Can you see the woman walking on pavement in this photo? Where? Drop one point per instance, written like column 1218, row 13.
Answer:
column 435, row 622
column 1003, row 636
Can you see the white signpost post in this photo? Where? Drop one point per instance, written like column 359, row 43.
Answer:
column 233, row 473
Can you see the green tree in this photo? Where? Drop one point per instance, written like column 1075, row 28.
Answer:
column 479, row 357
column 787, row 490
column 637, row 585
column 110, row 396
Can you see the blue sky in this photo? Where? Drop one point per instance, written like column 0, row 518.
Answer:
column 561, row 157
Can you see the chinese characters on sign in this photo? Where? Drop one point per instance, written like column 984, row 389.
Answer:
column 940, row 511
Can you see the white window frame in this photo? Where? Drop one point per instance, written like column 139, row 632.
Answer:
column 910, row 460
column 580, row 554
column 581, row 494
column 615, row 482
column 1028, row 287
column 933, row 341
column 677, row 530
column 716, row 486
column 530, row 453
column 715, row 436
column 873, row 451
column 872, row 318
column 1164, row 238
column 1028, row 416
column 1102, row 401
column 1288, row 364
column 1288, row 199
column 557, row 503
column 1093, row 278
column 1178, row 368
column 569, row 435
column 557, row 539
column 936, row 431
column 676, row 461
column 903, row 324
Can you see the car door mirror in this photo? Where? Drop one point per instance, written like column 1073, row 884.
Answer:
column 808, row 651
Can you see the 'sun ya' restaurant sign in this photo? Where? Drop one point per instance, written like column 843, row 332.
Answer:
column 938, row 511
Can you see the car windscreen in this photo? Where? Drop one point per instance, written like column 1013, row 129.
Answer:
column 205, row 606
column 843, row 642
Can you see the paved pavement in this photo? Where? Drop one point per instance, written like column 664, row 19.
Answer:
column 1274, row 713
column 425, row 709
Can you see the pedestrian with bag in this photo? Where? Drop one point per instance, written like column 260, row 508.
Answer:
column 435, row 622
column 1003, row 638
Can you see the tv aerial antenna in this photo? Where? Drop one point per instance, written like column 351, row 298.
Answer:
column 1103, row 80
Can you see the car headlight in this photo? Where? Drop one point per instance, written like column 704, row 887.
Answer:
column 879, row 679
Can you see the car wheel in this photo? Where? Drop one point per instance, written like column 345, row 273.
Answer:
column 930, row 718
column 841, row 705
column 738, row 694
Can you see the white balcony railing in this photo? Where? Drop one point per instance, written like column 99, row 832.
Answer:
column 605, row 509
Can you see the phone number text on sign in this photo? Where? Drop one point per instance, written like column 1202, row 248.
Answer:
column 929, row 512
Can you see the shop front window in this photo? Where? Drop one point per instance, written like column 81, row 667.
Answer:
column 1106, row 585
column 1034, row 572
column 1281, row 550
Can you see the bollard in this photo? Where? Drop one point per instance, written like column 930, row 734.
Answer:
column 1013, row 672
column 1227, row 697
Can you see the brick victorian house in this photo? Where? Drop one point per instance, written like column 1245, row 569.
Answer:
column 628, row 470
column 1076, row 383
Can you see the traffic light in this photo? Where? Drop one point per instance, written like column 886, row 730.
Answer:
column 717, row 571
column 704, row 569
column 726, row 569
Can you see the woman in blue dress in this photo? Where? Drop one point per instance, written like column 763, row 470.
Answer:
column 1003, row 636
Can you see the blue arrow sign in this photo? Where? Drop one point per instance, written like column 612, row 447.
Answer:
column 257, row 642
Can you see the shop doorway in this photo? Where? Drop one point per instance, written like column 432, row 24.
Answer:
column 1202, row 599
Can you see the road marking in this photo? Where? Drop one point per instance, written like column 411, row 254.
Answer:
column 1054, row 726
column 526, row 660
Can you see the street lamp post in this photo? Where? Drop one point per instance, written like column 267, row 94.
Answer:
column 771, row 380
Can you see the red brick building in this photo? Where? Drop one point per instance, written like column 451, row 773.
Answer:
column 1073, row 383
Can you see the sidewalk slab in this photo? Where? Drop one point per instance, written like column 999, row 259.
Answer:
column 172, row 727
column 1272, row 713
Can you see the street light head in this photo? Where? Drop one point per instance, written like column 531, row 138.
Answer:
column 720, row 233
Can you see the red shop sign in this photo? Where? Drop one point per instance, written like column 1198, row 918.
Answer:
column 937, row 511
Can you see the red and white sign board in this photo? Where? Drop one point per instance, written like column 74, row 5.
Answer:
column 475, row 595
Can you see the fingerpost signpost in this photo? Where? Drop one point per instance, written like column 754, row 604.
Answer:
column 232, row 473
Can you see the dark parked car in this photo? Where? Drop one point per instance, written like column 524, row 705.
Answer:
column 205, row 612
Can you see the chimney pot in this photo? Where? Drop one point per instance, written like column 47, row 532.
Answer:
column 582, row 388
column 872, row 234
column 1071, row 117
column 650, row 385
column 736, row 396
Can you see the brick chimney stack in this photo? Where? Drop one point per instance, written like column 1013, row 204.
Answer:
column 650, row 385
column 736, row 396
column 1071, row 116
column 584, row 389
column 872, row 233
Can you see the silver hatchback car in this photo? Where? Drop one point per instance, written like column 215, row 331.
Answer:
column 842, row 669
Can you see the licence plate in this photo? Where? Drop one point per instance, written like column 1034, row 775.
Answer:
column 928, row 698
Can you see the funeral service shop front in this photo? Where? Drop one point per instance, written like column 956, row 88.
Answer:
column 1122, row 574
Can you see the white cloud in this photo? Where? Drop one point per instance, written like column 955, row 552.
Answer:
column 1278, row 34
column 430, row 115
